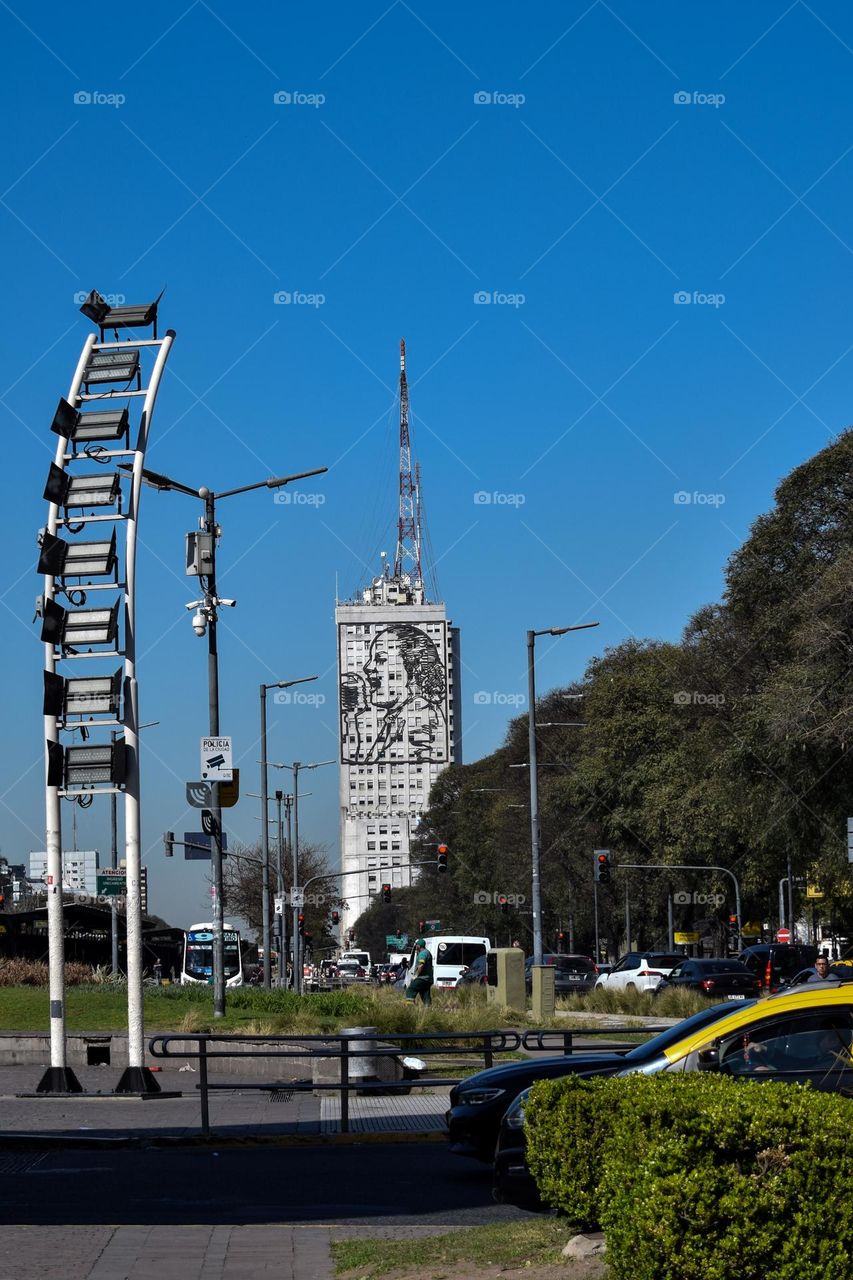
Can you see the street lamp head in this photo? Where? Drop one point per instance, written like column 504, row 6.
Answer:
column 204, row 492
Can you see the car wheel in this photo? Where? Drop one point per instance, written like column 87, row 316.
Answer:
column 630, row 986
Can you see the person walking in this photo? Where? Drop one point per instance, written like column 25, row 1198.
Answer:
column 421, row 983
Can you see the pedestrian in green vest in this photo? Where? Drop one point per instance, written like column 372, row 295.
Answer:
column 421, row 983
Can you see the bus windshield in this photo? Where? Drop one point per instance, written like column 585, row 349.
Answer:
column 198, row 953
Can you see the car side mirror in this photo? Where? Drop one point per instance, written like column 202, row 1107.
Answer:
column 708, row 1060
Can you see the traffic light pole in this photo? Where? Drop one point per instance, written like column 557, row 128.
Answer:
column 535, row 830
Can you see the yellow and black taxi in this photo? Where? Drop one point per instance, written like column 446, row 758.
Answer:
column 802, row 1035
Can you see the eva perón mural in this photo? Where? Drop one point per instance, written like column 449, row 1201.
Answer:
column 393, row 696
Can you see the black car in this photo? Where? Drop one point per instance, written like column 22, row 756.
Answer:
column 573, row 975
column 476, row 974
column 477, row 1105
column 716, row 979
column 776, row 963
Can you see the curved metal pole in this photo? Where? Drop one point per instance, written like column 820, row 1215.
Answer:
column 58, row 1078
column 689, row 866
column 134, row 1079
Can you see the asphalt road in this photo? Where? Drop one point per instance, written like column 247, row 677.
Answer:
column 403, row 1184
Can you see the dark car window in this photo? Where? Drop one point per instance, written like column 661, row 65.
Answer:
column 574, row 964
column 672, row 1035
column 806, row 1043
column 720, row 966
column 459, row 952
column 660, row 961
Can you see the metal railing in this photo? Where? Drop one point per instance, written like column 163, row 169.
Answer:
column 485, row 1044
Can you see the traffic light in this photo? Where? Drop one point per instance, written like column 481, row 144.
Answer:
column 399, row 936
column 442, row 857
column 561, row 940
column 2, row 902
column 386, row 893
column 169, row 843
column 301, row 922
column 503, row 903
column 602, row 866
column 336, row 917
column 421, row 926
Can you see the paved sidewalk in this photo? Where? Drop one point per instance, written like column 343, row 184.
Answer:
column 184, row 1253
column 240, row 1115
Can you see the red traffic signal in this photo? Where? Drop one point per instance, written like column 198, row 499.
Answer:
column 336, row 916
column 602, row 866
column 421, row 926
column 503, row 903
column 442, row 857
column 301, row 922
column 386, row 893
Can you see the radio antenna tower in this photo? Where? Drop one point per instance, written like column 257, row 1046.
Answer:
column 407, row 561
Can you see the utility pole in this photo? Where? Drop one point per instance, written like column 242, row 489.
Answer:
column 297, row 962
column 114, row 865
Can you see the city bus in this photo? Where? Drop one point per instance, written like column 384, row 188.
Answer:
column 197, row 963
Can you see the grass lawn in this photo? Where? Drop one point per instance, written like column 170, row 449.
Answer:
column 525, row 1245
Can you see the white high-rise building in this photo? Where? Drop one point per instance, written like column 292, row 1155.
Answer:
column 399, row 706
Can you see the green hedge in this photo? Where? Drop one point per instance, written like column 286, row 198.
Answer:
column 699, row 1177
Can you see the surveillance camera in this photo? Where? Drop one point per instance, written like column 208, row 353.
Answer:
column 199, row 622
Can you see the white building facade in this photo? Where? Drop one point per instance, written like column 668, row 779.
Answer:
column 79, row 870
column 400, row 726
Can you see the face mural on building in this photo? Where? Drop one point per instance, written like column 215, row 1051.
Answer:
column 396, row 701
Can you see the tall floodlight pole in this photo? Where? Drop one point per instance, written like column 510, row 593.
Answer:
column 204, row 620
column 535, row 828
column 105, row 373
column 265, row 841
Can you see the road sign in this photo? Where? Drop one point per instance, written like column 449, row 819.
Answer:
column 814, row 891
column 197, row 845
column 198, row 794
column 783, row 935
column 279, row 905
column 216, row 759
column 111, row 882
column 683, row 939
column 397, row 942
column 297, row 897
column 208, row 823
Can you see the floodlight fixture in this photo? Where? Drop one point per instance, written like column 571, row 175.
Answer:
column 100, row 490
column 86, row 765
column 101, row 424
column 111, row 366
column 98, row 310
column 69, row 627
column 63, row 559
column 82, row 695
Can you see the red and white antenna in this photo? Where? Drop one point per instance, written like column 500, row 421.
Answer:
column 407, row 561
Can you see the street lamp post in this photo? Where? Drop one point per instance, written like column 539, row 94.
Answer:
column 535, row 828
column 295, row 766
column 265, row 843
column 206, row 619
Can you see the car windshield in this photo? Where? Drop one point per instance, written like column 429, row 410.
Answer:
column 673, row 1034
column 457, row 953
column 664, row 962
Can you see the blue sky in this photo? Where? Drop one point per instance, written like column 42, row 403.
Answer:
column 580, row 165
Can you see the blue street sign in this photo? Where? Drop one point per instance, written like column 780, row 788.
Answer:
column 197, row 845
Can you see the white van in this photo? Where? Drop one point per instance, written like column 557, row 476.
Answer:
column 360, row 957
column 451, row 953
